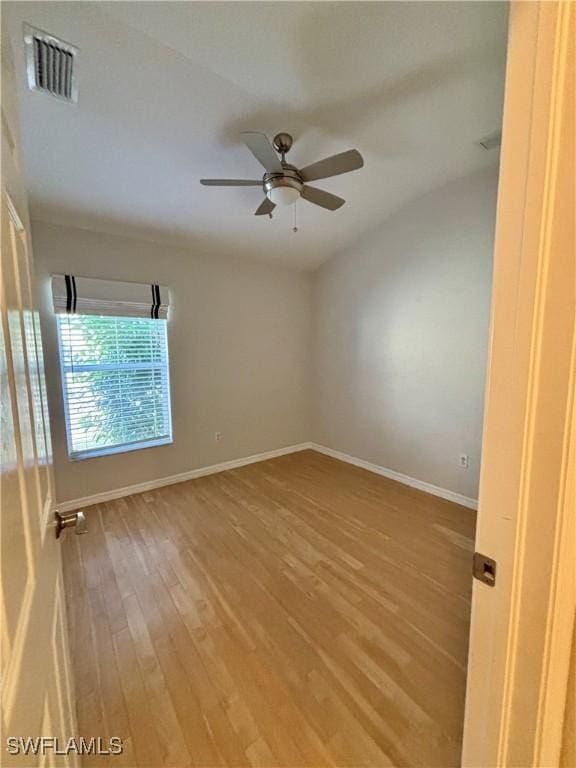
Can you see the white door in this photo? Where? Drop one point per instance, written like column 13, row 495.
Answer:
column 36, row 690
column 521, row 629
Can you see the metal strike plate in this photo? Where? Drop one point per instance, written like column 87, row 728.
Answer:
column 484, row 569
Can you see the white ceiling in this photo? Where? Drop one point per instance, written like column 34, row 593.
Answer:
column 167, row 87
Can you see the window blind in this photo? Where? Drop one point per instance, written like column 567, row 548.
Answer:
column 72, row 294
column 115, row 383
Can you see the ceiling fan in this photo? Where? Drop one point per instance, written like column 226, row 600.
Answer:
column 283, row 183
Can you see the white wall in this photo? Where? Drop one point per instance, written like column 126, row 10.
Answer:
column 401, row 333
column 380, row 354
column 239, row 345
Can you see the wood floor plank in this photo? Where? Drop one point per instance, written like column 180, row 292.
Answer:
column 166, row 723
column 147, row 747
column 192, row 715
column 298, row 612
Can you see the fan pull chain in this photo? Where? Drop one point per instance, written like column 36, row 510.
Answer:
column 295, row 227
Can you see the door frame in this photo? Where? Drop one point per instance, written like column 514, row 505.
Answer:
column 522, row 630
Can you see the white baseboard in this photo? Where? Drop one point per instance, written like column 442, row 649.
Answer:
column 443, row 493
column 149, row 485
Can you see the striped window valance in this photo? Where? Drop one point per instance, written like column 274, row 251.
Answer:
column 90, row 296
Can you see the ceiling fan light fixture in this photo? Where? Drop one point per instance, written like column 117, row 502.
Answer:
column 283, row 183
column 283, row 195
column 285, row 188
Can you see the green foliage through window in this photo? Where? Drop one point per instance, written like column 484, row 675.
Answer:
column 115, row 383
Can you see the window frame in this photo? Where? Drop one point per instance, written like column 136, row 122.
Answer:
column 93, row 453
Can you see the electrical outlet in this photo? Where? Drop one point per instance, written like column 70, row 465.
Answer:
column 464, row 461
column 217, row 436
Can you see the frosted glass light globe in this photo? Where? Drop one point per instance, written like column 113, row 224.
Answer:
column 283, row 195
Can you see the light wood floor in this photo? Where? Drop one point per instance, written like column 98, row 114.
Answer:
column 296, row 612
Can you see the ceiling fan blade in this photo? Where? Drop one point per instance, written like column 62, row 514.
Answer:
column 231, row 182
column 333, row 166
column 266, row 206
column 262, row 150
column 322, row 198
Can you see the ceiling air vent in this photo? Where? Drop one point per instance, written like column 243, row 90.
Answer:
column 50, row 64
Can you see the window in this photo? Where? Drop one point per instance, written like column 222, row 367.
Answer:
column 115, row 383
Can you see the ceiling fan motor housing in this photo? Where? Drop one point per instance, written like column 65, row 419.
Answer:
column 283, row 188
